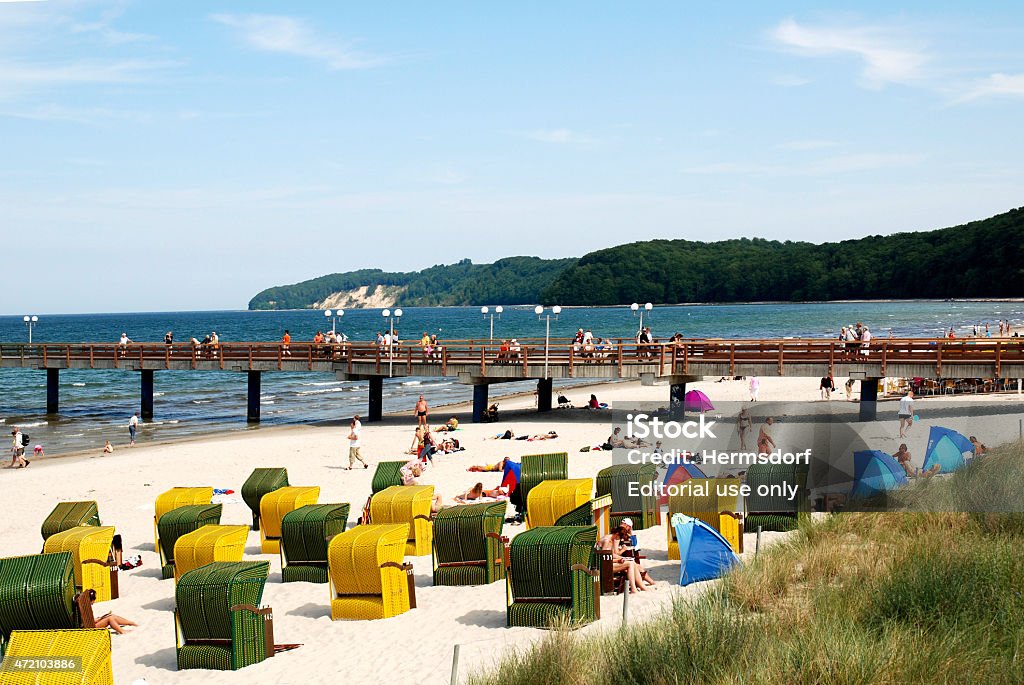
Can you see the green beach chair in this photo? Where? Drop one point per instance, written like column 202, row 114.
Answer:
column 70, row 514
column 617, row 481
column 260, row 482
column 774, row 511
column 178, row 522
column 386, row 475
column 305, row 535
column 537, row 468
column 37, row 592
column 218, row 622
column 468, row 546
column 552, row 577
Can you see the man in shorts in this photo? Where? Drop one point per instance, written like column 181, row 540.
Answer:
column 906, row 413
column 422, row 412
column 17, row 450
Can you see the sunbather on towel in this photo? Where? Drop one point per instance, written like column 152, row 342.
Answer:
column 500, row 466
column 477, row 492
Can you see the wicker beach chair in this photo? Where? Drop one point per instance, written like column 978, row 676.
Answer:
column 208, row 544
column 409, row 505
column 178, row 497
column 775, row 511
column 178, row 522
column 305, row 533
column 468, row 546
column 260, row 482
column 275, row 505
column 90, row 647
column 618, row 480
column 386, row 475
column 37, row 592
column 70, row 514
column 91, row 549
column 549, row 500
column 218, row 620
column 551, row 575
column 699, row 499
column 369, row 578
column 537, row 468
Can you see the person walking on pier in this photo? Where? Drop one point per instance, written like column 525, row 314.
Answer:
column 286, row 341
column 755, row 387
column 353, row 444
column 422, row 413
column 169, row 342
column 133, row 426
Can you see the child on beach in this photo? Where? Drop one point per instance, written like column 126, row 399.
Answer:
column 108, row 448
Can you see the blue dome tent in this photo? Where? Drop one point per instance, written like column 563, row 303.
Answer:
column 704, row 554
column 875, row 472
column 946, row 448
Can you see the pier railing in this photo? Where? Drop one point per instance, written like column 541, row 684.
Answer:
column 614, row 358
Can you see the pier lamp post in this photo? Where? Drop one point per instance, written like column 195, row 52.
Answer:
column 539, row 311
column 334, row 316
column 497, row 310
column 391, row 316
column 31, row 322
column 646, row 308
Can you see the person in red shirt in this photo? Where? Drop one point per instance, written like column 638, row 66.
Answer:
column 286, row 341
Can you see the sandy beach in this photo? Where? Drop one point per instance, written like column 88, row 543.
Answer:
column 414, row 647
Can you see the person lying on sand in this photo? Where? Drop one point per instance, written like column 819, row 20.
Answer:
column 478, row 492
column 507, row 435
column 500, row 466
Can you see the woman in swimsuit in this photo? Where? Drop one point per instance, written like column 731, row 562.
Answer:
column 743, row 425
column 765, row 443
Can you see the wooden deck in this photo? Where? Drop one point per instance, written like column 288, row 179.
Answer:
column 623, row 359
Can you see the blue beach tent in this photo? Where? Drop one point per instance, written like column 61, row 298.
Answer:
column 704, row 554
column 874, row 472
column 946, row 448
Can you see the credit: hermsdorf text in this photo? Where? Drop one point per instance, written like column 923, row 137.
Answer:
column 643, row 430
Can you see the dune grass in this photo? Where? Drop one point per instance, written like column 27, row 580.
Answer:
column 924, row 595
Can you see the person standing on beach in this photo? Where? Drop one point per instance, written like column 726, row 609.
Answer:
column 828, row 386
column 133, row 426
column 755, row 386
column 906, row 413
column 286, row 342
column 353, row 444
column 422, row 413
column 765, row 442
column 849, row 389
column 17, row 450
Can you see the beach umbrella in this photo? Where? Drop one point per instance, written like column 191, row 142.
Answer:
column 946, row 448
column 697, row 401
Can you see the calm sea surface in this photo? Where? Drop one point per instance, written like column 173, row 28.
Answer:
column 95, row 405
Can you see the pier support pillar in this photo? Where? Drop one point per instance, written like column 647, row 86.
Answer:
column 869, row 399
column 544, row 390
column 147, row 394
column 252, row 414
column 479, row 402
column 376, row 408
column 52, row 390
column 676, row 401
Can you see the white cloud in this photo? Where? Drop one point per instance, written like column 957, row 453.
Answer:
column 558, row 136
column 811, row 144
column 836, row 164
column 996, row 84
column 886, row 58
column 28, row 74
column 291, row 36
column 790, row 81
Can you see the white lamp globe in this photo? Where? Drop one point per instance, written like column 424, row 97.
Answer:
column 499, row 309
column 26, row 319
column 648, row 306
column 386, row 313
column 538, row 310
column 483, row 310
column 398, row 313
column 634, row 306
column 327, row 312
column 557, row 310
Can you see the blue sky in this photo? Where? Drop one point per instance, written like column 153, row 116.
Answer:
column 158, row 156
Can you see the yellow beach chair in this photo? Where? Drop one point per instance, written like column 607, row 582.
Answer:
column 178, row 497
column 410, row 505
column 368, row 576
column 207, row 544
column 699, row 498
column 551, row 499
column 93, row 563
column 88, row 648
column 274, row 505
